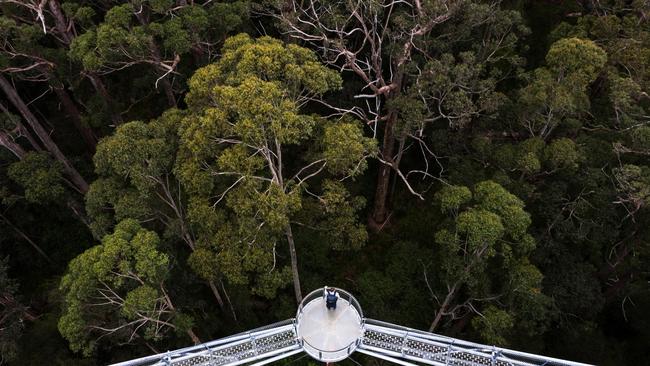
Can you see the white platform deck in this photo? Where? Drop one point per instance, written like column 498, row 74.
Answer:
column 329, row 330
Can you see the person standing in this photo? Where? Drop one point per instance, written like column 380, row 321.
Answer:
column 331, row 297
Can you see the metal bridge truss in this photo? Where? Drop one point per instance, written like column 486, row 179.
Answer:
column 394, row 343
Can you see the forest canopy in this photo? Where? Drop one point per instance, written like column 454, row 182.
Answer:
column 176, row 171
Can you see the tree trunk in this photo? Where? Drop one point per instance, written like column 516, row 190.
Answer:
column 155, row 53
column 195, row 339
column 64, row 27
column 8, row 142
column 79, row 211
column 294, row 264
column 380, row 209
column 8, row 301
column 27, row 239
column 216, row 294
column 169, row 92
column 168, row 300
column 460, row 325
column 443, row 307
column 23, row 131
column 232, row 308
column 79, row 182
column 73, row 113
column 109, row 103
column 60, row 22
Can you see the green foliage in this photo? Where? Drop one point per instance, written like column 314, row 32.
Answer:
column 535, row 230
column 453, row 197
column 577, row 60
column 139, row 151
column 562, row 153
column 116, row 289
column 40, row 176
column 135, row 168
column 634, row 183
column 339, row 217
column 557, row 92
column 492, row 324
column 344, row 144
column 244, row 117
column 484, row 238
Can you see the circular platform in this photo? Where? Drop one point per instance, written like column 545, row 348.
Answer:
column 329, row 335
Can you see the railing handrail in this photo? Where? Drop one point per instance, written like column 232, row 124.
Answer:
column 214, row 344
column 334, row 355
column 319, row 293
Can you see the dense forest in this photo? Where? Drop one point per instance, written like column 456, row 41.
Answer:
column 175, row 171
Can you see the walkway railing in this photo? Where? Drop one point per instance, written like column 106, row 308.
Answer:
column 343, row 352
column 391, row 342
column 264, row 345
column 400, row 345
column 316, row 294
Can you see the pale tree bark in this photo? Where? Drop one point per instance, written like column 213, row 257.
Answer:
column 471, row 259
column 39, row 69
column 8, row 143
column 380, row 69
column 175, row 204
column 189, row 331
column 443, row 308
column 21, row 131
column 8, row 302
column 66, row 31
column 77, row 180
column 294, row 264
column 155, row 53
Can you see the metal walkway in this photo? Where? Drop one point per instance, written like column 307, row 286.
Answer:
column 257, row 347
column 408, row 346
column 394, row 343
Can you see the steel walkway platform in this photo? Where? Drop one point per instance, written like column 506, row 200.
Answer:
column 331, row 336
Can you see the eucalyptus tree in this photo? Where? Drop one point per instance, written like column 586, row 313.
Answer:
column 619, row 120
column 136, row 181
column 623, row 32
column 26, row 59
column 76, row 181
column 118, row 290
column 37, row 36
column 253, row 161
column 483, row 271
column 157, row 35
column 416, row 65
column 558, row 91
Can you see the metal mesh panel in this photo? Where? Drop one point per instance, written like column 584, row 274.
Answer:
column 256, row 346
column 417, row 347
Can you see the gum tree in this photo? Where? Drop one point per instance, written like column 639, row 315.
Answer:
column 252, row 159
column 118, row 290
column 136, row 180
column 158, row 35
column 483, row 268
column 414, row 67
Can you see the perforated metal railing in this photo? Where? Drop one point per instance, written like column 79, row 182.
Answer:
column 257, row 347
column 391, row 342
column 400, row 345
